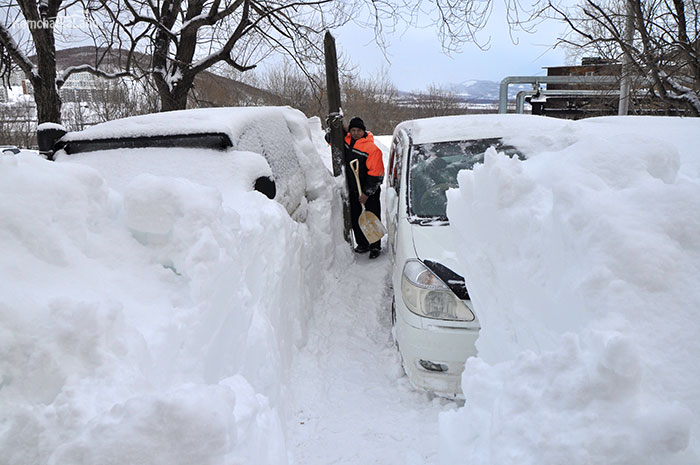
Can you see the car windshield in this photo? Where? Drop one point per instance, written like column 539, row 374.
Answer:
column 434, row 168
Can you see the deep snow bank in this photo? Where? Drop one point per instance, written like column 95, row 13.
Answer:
column 583, row 263
column 154, row 323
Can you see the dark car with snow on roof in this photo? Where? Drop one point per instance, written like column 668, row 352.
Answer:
column 224, row 141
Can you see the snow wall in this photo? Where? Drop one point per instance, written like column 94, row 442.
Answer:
column 154, row 323
column 583, row 265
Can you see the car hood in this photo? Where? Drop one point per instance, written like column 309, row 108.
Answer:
column 437, row 243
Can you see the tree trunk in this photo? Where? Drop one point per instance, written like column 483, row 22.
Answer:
column 175, row 98
column 48, row 101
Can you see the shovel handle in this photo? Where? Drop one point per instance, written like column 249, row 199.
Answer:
column 355, row 165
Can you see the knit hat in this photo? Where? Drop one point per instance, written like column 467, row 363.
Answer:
column 357, row 123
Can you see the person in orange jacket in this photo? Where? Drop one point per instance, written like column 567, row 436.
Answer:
column 359, row 145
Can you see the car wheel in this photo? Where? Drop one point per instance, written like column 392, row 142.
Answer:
column 266, row 185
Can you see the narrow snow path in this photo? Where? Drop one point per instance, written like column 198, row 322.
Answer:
column 352, row 403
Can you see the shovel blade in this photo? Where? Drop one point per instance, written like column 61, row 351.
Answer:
column 371, row 226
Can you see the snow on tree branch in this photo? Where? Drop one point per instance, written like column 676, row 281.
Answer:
column 90, row 69
column 684, row 93
column 15, row 53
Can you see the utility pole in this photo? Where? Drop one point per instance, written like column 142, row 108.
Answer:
column 335, row 121
column 625, row 82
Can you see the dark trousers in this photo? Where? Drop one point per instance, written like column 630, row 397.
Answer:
column 372, row 205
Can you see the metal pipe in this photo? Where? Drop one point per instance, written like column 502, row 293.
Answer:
column 520, row 100
column 624, row 104
column 536, row 80
column 520, row 97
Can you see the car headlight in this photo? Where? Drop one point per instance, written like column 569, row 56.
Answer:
column 426, row 295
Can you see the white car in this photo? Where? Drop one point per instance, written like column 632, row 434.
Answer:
column 435, row 323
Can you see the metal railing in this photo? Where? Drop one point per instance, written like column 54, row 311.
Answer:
column 520, row 97
column 537, row 80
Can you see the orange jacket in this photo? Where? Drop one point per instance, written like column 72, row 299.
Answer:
column 371, row 166
column 366, row 150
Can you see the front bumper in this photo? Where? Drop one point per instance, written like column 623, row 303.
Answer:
column 434, row 354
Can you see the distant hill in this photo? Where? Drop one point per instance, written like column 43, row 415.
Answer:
column 76, row 56
column 479, row 90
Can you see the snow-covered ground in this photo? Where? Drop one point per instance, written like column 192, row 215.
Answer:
column 237, row 335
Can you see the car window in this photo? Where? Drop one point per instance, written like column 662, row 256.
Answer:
column 434, row 167
column 217, row 141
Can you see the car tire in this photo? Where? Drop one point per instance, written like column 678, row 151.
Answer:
column 266, row 185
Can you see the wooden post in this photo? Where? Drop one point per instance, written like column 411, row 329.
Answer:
column 335, row 121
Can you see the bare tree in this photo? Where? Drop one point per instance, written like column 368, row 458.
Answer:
column 187, row 37
column 31, row 27
column 184, row 38
column 120, row 98
column 290, row 86
column 40, row 21
column 374, row 99
column 665, row 47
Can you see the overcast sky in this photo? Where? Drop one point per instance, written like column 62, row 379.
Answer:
column 417, row 60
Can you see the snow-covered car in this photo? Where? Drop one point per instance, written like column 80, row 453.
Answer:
column 259, row 142
column 435, row 323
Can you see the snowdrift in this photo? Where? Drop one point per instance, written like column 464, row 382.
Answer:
column 583, row 266
column 154, row 323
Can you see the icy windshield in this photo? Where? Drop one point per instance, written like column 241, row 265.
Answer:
column 434, row 169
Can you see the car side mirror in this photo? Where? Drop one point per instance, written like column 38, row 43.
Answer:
column 266, row 185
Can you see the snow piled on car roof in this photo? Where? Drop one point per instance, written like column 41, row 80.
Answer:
column 511, row 128
column 282, row 135
column 228, row 120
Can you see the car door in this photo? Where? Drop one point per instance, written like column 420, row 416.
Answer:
column 399, row 148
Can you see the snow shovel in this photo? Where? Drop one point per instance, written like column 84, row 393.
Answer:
column 371, row 226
